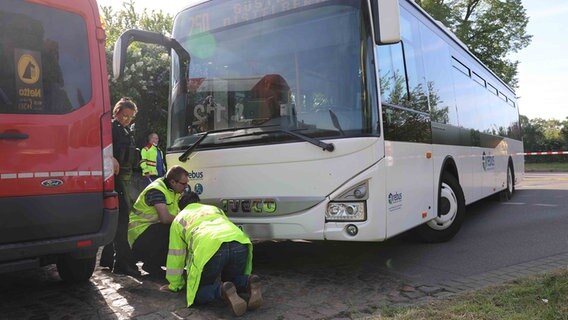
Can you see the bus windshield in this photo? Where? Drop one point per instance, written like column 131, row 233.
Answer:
column 302, row 69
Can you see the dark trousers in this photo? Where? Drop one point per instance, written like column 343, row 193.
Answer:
column 146, row 180
column 120, row 246
column 151, row 247
column 229, row 262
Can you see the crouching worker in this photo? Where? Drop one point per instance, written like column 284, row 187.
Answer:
column 151, row 217
column 205, row 241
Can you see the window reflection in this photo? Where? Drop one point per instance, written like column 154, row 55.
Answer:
column 300, row 70
column 44, row 60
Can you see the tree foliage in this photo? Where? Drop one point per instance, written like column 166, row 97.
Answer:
column 492, row 29
column 545, row 135
column 146, row 76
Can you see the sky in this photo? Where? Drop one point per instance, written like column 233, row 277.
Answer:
column 543, row 67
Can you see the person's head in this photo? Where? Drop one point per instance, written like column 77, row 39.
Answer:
column 153, row 138
column 178, row 178
column 124, row 111
column 187, row 199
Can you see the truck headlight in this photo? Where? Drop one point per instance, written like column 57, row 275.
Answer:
column 346, row 211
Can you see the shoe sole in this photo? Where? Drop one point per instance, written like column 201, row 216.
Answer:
column 237, row 304
column 255, row 294
column 123, row 272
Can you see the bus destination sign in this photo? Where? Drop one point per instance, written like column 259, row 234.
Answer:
column 208, row 17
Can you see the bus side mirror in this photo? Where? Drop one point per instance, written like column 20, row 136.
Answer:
column 118, row 58
column 386, row 21
column 129, row 36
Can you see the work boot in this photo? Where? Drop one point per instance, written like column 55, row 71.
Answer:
column 254, row 291
column 107, row 257
column 127, row 270
column 106, row 263
column 155, row 272
column 229, row 294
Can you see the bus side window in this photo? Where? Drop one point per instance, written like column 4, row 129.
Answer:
column 392, row 75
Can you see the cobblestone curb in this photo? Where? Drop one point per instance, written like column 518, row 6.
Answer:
column 417, row 293
column 506, row 274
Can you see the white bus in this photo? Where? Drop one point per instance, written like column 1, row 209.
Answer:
column 349, row 120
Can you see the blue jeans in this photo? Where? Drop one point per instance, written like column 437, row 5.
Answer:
column 229, row 262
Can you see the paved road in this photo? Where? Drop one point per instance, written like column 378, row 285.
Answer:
column 495, row 235
column 333, row 280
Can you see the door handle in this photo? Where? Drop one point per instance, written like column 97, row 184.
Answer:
column 13, row 136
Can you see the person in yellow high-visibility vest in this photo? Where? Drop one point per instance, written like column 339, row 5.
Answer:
column 210, row 246
column 152, row 160
column 150, row 219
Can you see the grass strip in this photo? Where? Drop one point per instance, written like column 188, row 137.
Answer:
column 543, row 297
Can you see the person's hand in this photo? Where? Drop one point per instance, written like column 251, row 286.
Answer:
column 166, row 288
column 115, row 166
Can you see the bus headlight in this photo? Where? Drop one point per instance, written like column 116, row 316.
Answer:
column 346, row 211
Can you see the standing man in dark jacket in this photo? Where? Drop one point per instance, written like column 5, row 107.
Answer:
column 125, row 153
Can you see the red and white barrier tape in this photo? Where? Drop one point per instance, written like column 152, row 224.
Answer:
column 541, row 153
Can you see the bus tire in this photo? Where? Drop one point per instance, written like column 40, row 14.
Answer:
column 75, row 270
column 507, row 194
column 451, row 212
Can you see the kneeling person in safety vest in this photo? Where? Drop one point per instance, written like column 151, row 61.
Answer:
column 205, row 241
column 151, row 217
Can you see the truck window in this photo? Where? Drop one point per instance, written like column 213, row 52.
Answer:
column 34, row 43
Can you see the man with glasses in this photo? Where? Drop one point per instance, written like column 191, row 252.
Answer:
column 151, row 217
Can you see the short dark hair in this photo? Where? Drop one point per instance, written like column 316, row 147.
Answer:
column 187, row 199
column 176, row 173
column 151, row 134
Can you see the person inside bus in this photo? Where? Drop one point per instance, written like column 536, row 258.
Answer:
column 151, row 217
column 211, row 247
column 117, row 255
column 152, row 160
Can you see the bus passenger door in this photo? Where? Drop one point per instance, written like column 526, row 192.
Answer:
column 409, row 169
column 407, row 130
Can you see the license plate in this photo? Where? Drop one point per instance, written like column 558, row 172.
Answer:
column 257, row 230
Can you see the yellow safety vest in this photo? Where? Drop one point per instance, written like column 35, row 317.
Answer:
column 196, row 234
column 149, row 160
column 143, row 215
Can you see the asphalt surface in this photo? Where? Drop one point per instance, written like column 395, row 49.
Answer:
column 499, row 242
column 531, row 226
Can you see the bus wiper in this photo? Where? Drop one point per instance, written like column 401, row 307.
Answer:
column 188, row 151
column 325, row 146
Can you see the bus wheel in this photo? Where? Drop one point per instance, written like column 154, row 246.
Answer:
column 507, row 194
column 451, row 212
column 75, row 270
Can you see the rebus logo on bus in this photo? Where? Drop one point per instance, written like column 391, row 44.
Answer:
column 395, row 197
column 192, row 175
column 487, row 161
